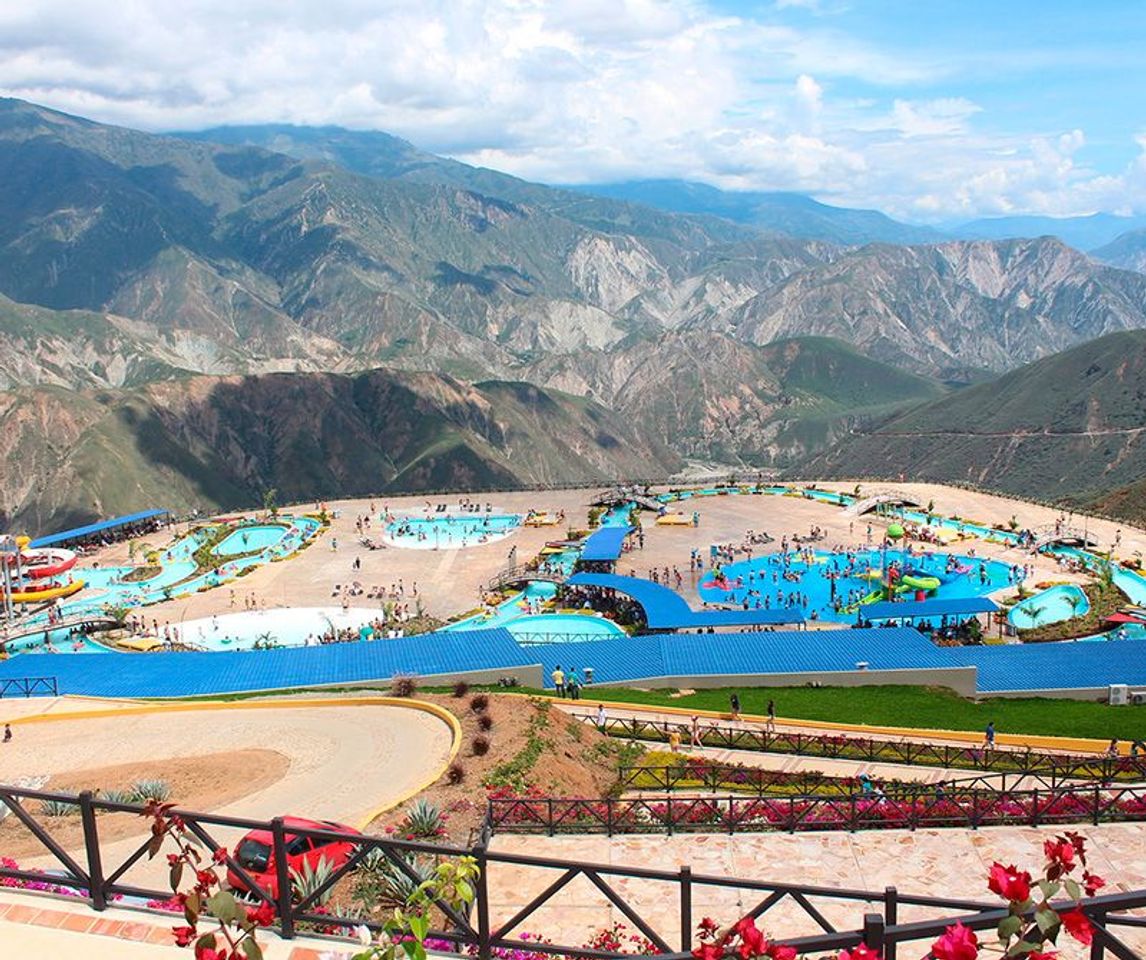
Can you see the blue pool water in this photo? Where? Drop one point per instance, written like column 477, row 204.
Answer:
column 451, row 530
column 1048, row 606
column 248, row 539
column 763, row 579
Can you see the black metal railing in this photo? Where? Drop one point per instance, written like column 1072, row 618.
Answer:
column 28, row 687
column 1056, row 766
column 637, row 893
column 894, row 809
column 701, row 774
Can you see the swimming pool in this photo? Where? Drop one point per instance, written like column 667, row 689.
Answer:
column 1049, row 606
column 249, row 539
column 779, row 580
column 289, row 627
column 562, row 628
column 449, row 531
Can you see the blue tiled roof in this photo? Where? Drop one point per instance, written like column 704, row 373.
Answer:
column 192, row 674
column 76, row 532
column 953, row 607
column 605, row 544
column 666, row 609
column 1049, row 666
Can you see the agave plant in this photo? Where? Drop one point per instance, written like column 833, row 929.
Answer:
column 114, row 795
column 423, row 819
column 380, row 884
column 308, row 878
column 58, row 808
column 151, row 788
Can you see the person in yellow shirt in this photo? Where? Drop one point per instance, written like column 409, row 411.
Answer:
column 558, row 678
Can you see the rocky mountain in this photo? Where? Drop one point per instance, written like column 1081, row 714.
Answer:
column 1082, row 233
column 1070, row 427
column 791, row 213
column 218, row 442
column 1126, row 251
column 130, row 263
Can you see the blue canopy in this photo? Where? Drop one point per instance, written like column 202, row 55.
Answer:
column 77, row 533
column 666, row 609
column 605, row 544
column 913, row 609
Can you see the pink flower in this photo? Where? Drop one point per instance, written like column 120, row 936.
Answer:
column 957, row 943
column 183, row 935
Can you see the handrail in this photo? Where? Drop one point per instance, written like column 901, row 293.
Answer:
column 892, row 810
column 98, row 879
column 29, row 687
column 1057, row 766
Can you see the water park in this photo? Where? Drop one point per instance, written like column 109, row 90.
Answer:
column 601, row 650
column 840, row 585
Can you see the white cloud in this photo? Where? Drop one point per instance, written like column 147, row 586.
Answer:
column 564, row 92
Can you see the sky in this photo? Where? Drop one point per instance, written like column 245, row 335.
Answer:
column 931, row 110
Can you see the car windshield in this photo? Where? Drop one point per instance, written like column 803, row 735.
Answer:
column 253, row 855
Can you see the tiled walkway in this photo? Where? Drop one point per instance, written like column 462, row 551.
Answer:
column 933, row 862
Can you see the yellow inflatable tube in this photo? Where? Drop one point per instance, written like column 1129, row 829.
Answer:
column 54, row 593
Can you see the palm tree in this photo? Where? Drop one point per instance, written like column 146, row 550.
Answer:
column 1032, row 611
column 1075, row 601
column 118, row 613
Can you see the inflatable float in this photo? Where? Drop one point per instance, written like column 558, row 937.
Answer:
column 674, row 520
column 915, row 582
column 49, row 591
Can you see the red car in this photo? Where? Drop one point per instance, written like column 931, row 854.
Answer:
column 255, row 852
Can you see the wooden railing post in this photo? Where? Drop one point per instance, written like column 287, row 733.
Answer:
column 481, row 901
column 284, row 903
column 91, row 847
column 685, row 909
column 873, row 931
column 890, row 918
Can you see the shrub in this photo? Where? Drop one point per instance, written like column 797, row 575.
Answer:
column 304, row 881
column 461, row 688
column 485, row 721
column 404, row 686
column 423, row 819
column 480, row 746
column 150, row 789
column 479, row 703
column 379, row 882
column 456, row 774
column 124, row 795
column 58, row 808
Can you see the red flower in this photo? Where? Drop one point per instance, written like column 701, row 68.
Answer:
column 957, row 943
column 709, row 951
column 1092, row 882
column 206, row 878
column 1009, row 883
column 172, row 859
column 264, row 916
column 1060, row 857
column 780, row 951
column 1077, row 924
column 708, row 928
column 183, row 935
column 220, row 855
column 860, row 952
column 753, row 943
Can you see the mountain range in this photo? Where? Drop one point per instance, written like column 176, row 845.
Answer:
column 241, row 268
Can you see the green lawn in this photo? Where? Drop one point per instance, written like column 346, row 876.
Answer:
column 882, row 706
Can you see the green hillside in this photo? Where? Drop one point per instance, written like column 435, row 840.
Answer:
column 1068, row 427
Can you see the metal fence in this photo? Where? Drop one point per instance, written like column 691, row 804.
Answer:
column 909, row 809
column 1054, row 766
column 28, row 687
column 480, row 931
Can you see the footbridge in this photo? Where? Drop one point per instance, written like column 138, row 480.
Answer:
column 618, row 496
column 1064, row 533
column 520, row 575
column 878, row 498
column 84, row 622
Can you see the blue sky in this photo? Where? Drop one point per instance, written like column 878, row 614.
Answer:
column 934, row 111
